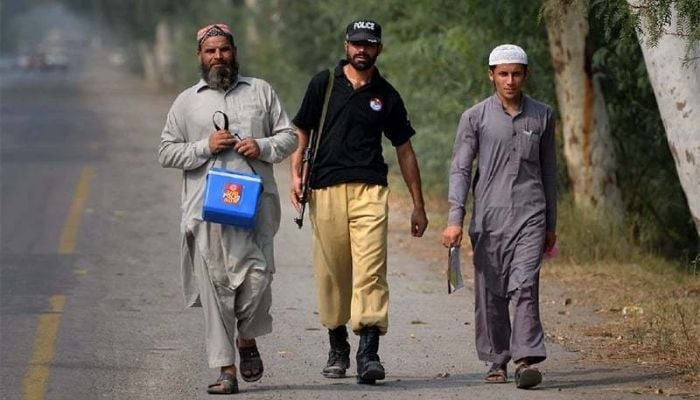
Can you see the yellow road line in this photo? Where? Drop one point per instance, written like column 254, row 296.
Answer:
column 36, row 377
column 66, row 244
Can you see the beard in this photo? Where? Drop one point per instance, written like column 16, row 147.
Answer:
column 361, row 65
column 220, row 76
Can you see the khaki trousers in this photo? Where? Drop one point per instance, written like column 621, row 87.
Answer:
column 349, row 224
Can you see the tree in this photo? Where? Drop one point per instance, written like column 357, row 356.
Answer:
column 588, row 149
column 668, row 34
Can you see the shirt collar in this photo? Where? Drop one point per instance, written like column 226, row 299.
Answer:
column 496, row 101
column 202, row 84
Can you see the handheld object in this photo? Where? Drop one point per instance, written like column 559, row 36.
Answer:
column 231, row 197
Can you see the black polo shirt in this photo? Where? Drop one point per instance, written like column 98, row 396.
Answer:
column 351, row 142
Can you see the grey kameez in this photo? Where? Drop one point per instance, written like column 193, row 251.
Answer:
column 227, row 256
column 514, row 205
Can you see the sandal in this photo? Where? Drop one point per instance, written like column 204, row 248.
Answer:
column 527, row 376
column 250, row 361
column 497, row 374
column 226, row 384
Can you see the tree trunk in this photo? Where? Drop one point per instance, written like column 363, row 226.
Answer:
column 251, row 29
column 677, row 90
column 148, row 61
column 588, row 147
column 164, row 54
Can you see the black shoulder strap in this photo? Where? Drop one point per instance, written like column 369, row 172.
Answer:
column 324, row 110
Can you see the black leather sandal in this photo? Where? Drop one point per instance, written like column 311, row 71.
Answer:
column 250, row 362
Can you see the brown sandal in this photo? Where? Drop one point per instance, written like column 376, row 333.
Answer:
column 226, row 384
column 497, row 374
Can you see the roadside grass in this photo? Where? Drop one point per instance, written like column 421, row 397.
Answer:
column 647, row 309
column 651, row 305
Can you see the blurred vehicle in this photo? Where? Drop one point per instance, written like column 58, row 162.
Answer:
column 116, row 57
column 56, row 61
column 31, row 62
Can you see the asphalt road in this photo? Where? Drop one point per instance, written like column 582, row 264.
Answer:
column 90, row 288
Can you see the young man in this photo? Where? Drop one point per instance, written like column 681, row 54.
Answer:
column 514, row 219
column 228, row 268
column 348, row 204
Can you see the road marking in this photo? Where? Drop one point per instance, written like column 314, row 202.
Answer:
column 36, row 377
column 66, row 244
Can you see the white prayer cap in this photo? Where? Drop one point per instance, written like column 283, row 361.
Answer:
column 507, row 54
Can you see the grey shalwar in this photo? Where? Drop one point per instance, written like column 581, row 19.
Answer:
column 228, row 268
column 514, row 205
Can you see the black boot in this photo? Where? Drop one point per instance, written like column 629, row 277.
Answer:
column 339, row 355
column 369, row 368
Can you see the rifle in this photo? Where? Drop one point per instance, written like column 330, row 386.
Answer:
column 309, row 155
column 306, row 165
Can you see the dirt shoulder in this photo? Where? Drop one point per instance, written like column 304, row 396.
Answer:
column 621, row 314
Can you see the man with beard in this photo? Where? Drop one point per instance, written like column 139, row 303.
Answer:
column 349, row 197
column 511, row 137
column 227, row 270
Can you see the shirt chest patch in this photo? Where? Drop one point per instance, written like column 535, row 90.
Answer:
column 375, row 103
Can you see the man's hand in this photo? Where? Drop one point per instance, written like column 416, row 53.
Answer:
column 452, row 236
column 295, row 193
column 296, row 161
column 220, row 141
column 411, row 175
column 419, row 221
column 550, row 239
column 248, row 147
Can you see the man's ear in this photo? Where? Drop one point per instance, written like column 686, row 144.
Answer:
column 490, row 75
column 380, row 48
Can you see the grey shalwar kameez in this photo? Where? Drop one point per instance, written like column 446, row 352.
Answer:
column 514, row 205
column 228, row 268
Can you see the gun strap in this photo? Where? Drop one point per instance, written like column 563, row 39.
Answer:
column 326, row 99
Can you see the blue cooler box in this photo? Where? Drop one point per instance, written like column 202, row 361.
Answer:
column 231, row 197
